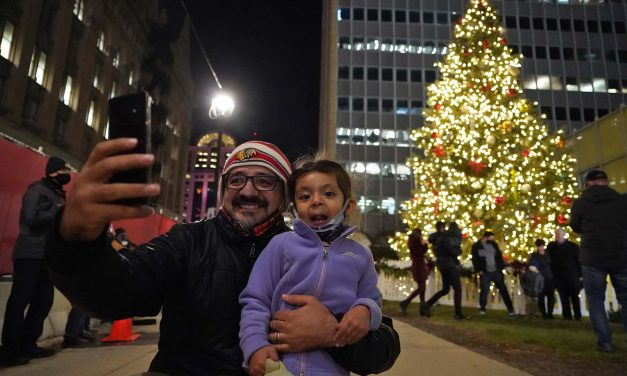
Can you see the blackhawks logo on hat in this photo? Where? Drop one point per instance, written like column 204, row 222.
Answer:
column 245, row 154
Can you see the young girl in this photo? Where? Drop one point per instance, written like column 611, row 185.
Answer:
column 316, row 259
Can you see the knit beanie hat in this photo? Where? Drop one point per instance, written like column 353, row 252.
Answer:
column 55, row 164
column 258, row 153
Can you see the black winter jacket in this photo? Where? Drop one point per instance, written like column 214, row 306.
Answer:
column 40, row 204
column 478, row 261
column 447, row 248
column 194, row 275
column 564, row 261
column 600, row 216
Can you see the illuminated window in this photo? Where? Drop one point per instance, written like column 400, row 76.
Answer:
column 585, row 84
column 113, row 89
column 7, row 40
column 79, row 8
column 599, row 85
column 359, row 136
column 373, row 168
column 96, row 80
column 357, row 167
column 37, row 70
column 66, row 91
column 89, row 119
column 388, row 205
column 100, row 42
column 387, row 137
column 343, row 135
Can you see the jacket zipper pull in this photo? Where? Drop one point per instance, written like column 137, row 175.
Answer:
column 325, row 252
column 252, row 251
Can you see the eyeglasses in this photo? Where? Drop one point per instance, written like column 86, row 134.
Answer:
column 260, row 182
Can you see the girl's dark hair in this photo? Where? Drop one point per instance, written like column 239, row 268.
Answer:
column 309, row 164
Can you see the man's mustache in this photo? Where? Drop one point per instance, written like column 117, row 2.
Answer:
column 243, row 200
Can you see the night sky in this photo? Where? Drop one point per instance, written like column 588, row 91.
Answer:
column 267, row 55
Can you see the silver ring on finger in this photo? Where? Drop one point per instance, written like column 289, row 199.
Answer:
column 277, row 337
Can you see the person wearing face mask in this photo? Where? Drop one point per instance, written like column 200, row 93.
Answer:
column 32, row 287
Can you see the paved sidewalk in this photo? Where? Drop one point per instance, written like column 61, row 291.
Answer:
column 421, row 353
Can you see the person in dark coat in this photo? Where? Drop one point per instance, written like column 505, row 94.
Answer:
column 419, row 269
column 600, row 216
column 543, row 262
column 566, row 269
column 31, row 286
column 195, row 273
column 447, row 249
column 487, row 260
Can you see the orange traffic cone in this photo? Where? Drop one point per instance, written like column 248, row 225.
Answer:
column 121, row 330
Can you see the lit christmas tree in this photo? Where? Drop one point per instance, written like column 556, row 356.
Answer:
column 487, row 161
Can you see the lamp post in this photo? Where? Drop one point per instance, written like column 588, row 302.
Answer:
column 222, row 107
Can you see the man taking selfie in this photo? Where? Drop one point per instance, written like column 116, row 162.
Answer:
column 195, row 272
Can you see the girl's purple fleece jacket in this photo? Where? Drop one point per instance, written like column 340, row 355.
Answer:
column 296, row 262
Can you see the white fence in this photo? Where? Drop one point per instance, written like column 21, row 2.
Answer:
column 397, row 289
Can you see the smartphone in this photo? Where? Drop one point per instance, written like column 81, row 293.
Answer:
column 129, row 116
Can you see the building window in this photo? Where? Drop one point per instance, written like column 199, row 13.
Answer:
column 343, row 14
column 416, row 75
column 386, row 15
column 414, row 17
column 593, row 26
column 400, row 16
column 66, row 91
column 90, row 118
column 96, row 81
column 442, row 18
column 6, row 46
column 523, row 22
column 579, row 26
column 358, row 73
column 575, row 114
column 373, row 74
column 564, row 24
column 401, row 75
column 510, row 22
column 342, row 73
column 554, row 53
column 342, row 103
column 387, row 105
column 551, row 24
column 373, row 105
column 540, row 52
column 100, row 42
column 538, row 24
column 113, row 89
column 427, row 17
column 429, row 76
column 37, row 70
column 373, row 14
column 358, row 104
column 79, row 8
column 358, row 14
column 116, row 59
column 387, row 74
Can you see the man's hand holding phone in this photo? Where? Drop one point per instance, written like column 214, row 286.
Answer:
column 94, row 202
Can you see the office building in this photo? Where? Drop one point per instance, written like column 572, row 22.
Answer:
column 201, row 179
column 60, row 62
column 378, row 59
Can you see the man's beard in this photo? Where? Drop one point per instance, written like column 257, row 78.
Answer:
column 245, row 221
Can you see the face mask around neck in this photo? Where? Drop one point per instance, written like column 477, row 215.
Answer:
column 333, row 223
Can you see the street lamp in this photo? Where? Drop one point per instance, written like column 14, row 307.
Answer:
column 222, row 107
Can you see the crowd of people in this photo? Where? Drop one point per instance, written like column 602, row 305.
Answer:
column 599, row 215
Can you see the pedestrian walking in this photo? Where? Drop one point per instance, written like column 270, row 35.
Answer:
column 600, row 216
column 418, row 248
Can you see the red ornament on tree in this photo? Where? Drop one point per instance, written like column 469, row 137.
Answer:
column 464, row 236
column 437, row 106
column 525, row 153
column 438, row 151
column 503, row 41
column 476, row 167
column 561, row 219
column 434, row 135
column 466, row 53
column 499, row 200
column 486, row 44
column 511, row 92
column 566, row 200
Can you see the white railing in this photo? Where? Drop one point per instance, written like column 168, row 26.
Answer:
column 397, row 289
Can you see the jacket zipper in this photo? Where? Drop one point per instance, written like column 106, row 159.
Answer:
column 323, row 274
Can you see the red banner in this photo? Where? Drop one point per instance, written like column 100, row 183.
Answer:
column 19, row 167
